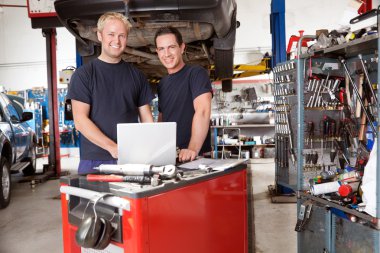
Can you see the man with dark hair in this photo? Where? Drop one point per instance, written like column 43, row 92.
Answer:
column 105, row 92
column 184, row 96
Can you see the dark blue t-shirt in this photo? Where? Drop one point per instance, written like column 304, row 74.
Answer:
column 114, row 92
column 176, row 94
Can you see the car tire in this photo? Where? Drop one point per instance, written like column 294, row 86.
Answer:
column 224, row 63
column 5, row 186
column 31, row 169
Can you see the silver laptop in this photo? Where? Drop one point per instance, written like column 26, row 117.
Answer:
column 147, row 143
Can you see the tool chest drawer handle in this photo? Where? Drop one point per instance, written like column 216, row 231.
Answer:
column 93, row 195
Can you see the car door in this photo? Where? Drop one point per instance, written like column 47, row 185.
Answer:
column 6, row 134
column 20, row 130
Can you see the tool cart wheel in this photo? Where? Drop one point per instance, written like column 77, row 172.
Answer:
column 5, row 186
column 31, row 169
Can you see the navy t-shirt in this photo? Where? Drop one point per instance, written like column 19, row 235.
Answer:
column 176, row 93
column 114, row 92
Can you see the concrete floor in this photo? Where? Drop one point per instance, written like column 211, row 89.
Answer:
column 32, row 222
column 274, row 223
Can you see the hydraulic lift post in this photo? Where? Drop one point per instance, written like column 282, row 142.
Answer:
column 42, row 15
column 277, row 27
column 54, row 138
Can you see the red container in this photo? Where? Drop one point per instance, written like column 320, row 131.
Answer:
column 204, row 214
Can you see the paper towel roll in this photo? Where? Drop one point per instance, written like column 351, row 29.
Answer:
column 324, row 188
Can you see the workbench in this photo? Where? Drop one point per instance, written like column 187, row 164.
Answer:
column 202, row 213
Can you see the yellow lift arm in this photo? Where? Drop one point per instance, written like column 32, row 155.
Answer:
column 248, row 70
column 245, row 71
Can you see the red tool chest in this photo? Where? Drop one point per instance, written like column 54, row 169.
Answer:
column 205, row 213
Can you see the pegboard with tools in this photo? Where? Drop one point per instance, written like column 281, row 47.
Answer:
column 326, row 112
column 284, row 90
column 323, row 106
column 338, row 118
column 339, row 124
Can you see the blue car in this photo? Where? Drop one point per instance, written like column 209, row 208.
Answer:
column 17, row 143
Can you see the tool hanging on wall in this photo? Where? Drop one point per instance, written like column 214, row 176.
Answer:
column 339, row 148
column 303, row 216
column 369, row 83
column 331, row 134
column 289, row 132
column 358, row 96
column 310, row 135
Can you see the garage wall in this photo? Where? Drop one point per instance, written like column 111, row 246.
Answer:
column 23, row 56
column 23, row 50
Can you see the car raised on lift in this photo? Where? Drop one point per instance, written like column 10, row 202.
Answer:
column 208, row 28
column 17, row 144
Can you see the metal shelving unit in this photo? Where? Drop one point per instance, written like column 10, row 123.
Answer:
column 330, row 227
column 238, row 128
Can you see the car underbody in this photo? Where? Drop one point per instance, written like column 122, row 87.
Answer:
column 208, row 29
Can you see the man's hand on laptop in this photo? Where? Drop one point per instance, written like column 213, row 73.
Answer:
column 187, row 155
column 112, row 149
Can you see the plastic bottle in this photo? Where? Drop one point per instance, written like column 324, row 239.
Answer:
column 348, row 189
column 370, row 136
column 325, row 188
column 327, row 175
column 221, row 121
column 351, row 176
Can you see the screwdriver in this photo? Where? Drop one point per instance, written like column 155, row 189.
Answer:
column 308, row 158
column 341, row 151
column 314, row 158
column 324, row 126
column 310, row 127
column 332, row 134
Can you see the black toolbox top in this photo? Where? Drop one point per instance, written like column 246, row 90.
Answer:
column 135, row 190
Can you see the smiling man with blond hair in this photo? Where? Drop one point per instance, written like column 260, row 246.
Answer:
column 105, row 92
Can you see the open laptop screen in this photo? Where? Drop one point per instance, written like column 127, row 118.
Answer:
column 147, row 143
